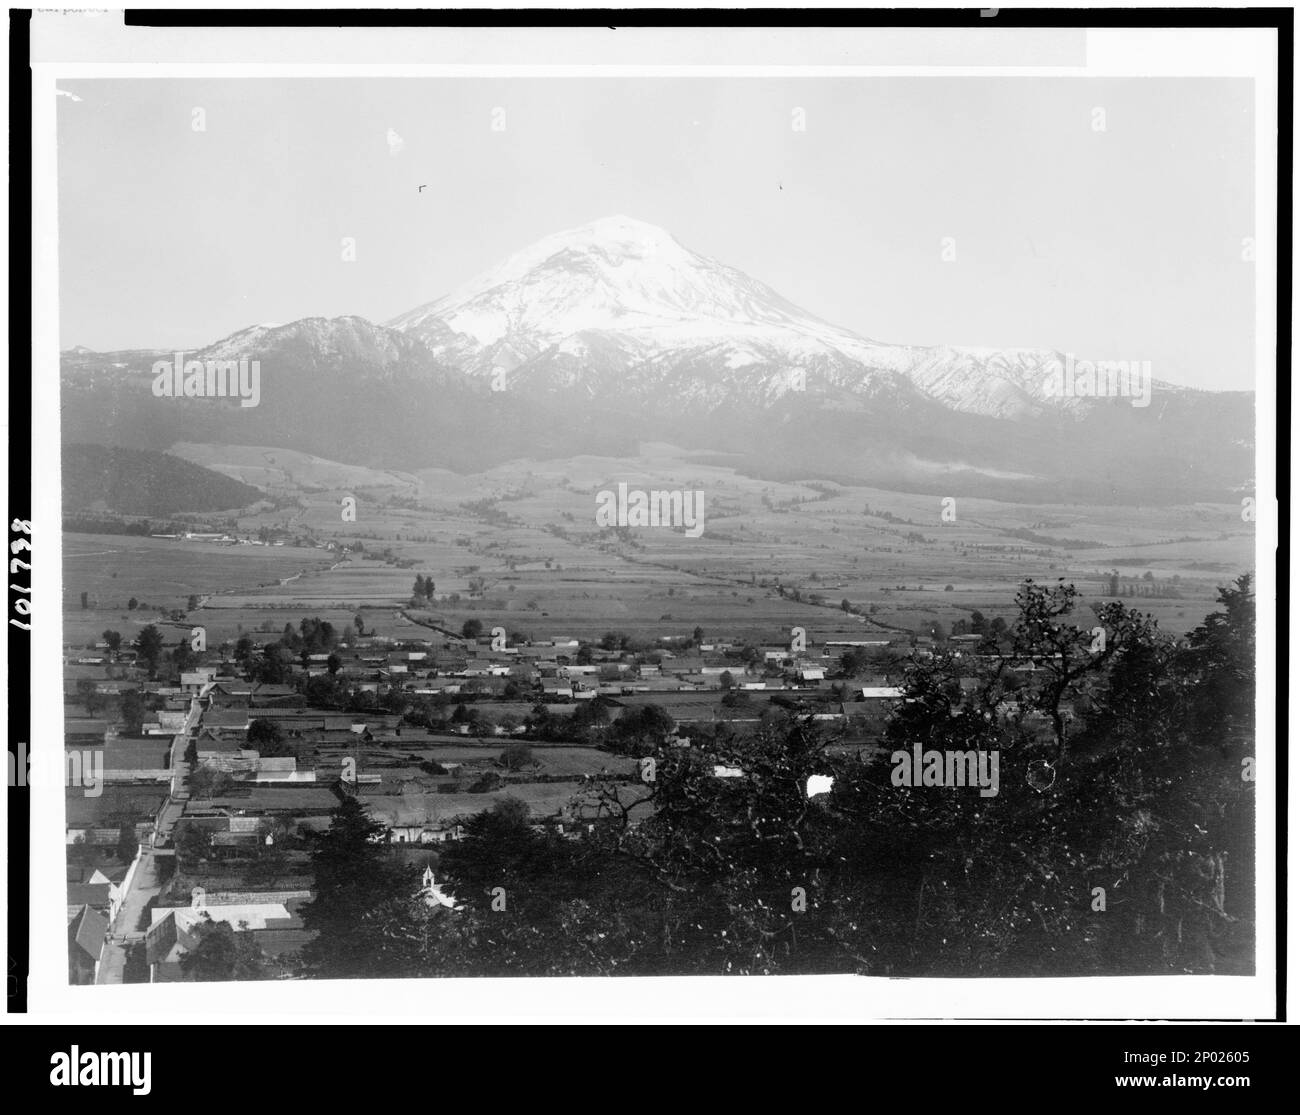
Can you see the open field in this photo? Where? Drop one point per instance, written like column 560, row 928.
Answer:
column 519, row 547
column 162, row 574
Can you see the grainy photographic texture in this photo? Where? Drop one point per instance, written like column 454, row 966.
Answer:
column 658, row 526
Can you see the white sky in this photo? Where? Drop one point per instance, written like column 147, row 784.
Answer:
column 1122, row 244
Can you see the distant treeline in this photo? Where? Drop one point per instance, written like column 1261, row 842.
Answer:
column 86, row 525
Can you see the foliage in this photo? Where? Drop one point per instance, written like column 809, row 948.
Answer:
column 266, row 737
column 149, row 646
column 353, row 875
column 133, row 711
column 1119, row 841
column 222, row 954
column 127, row 845
column 144, row 482
column 516, row 757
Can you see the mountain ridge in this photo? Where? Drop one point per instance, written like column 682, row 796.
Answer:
column 596, row 338
column 649, row 299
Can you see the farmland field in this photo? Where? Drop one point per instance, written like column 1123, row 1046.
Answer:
column 161, row 574
column 519, row 547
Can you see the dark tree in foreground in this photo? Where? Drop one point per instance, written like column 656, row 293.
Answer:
column 1120, row 839
column 353, row 875
column 222, row 954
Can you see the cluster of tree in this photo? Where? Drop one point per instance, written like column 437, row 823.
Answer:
column 1119, row 842
column 223, row 953
column 617, row 640
column 422, row 591
column 331, row 691
column 267, row 738
column 979, row 624
column 82, row 524
column 145, row 482
column 641, row 731
column 152, row 653
column 518, row 756
column 589, row 723
column 861, row 660
column 207, row 782
column 313, row 636
column 273, row 662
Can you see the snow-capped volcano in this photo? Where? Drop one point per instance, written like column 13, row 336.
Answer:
column 612, row 274
column 623, row 313
column 614, row 333
column 620, row 310
column 621, row 293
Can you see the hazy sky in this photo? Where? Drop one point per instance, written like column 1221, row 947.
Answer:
column 1118, row 244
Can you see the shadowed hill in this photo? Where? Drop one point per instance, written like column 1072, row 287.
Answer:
column 142, row 482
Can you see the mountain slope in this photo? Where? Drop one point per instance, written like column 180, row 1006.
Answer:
column 598, row 338
column 141, row 482
column 596, row 306
column 618, row 307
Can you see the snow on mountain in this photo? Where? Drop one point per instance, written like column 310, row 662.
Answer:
column 616, row 274
column 317, row 347
column 630, row 290
column 1004, row 383
column 614, row 333
column 352, row 337
column 619, row 305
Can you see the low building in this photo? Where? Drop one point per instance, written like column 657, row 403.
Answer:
column 195, row 681
column 166, row 724
column 228, row 718
column 87, row 931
